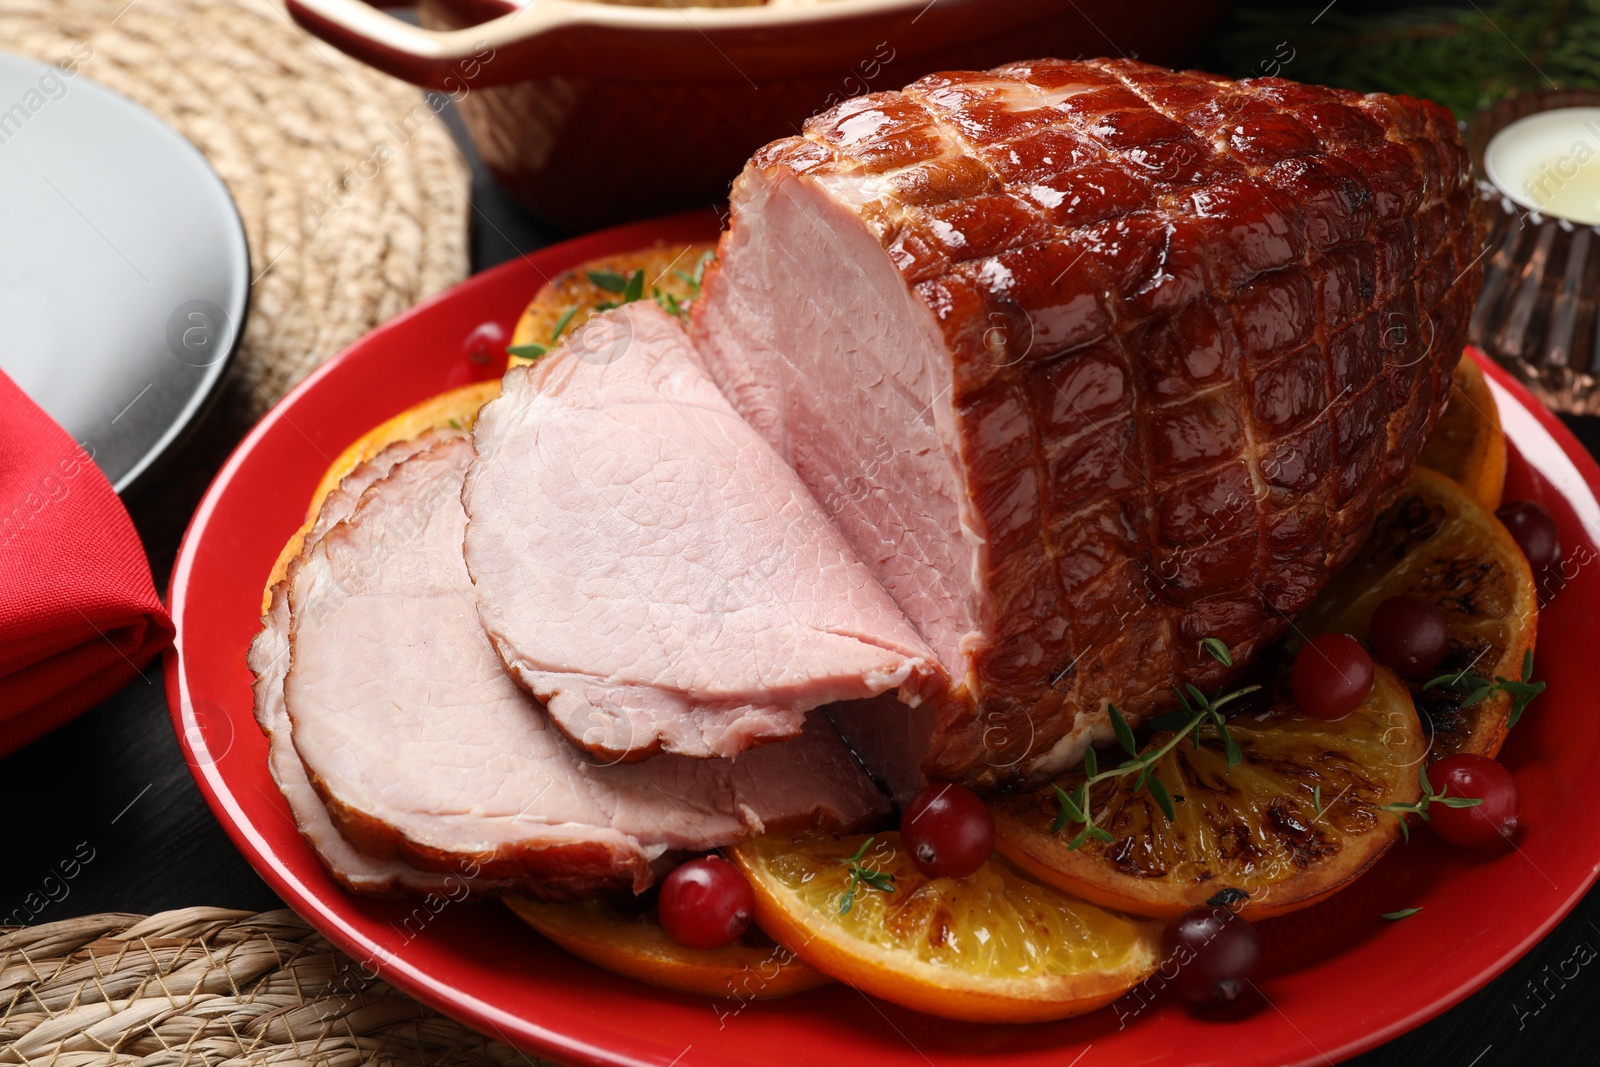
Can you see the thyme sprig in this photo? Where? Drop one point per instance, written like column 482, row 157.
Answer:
column 535, row 351
column 1476, row 689
column 627, row 288
column 861, row 874
column 1429, row 797
column 1199, row 713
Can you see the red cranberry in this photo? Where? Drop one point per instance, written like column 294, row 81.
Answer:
column 1217, row 954
column 705, row 903
column 1534, row 531
column 1332, row 676
column 1467, row 775
column 948, row 831
column 1410, row 635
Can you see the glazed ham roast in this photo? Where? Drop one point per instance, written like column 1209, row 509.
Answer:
column 1005, row 391
column 1093, row 360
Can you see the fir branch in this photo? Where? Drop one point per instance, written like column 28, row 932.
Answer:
column 1463, row 57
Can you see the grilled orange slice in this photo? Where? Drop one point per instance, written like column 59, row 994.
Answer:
column 629, row 941
column 992, row 947
column 1467, row 443
column 1293, row 823
column 458, row 407
column 1441, row 544
column 567, row 301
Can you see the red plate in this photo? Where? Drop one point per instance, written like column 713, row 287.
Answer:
column 1340, row 978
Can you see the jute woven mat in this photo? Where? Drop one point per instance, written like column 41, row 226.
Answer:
column 353, row 196
column 205, row 987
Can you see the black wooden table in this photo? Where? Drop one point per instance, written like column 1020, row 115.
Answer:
column 111, row 797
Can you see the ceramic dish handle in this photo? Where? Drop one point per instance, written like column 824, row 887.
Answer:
column 640, row 43
column 431, row 58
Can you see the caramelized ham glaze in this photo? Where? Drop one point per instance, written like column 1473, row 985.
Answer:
column 1090, row 361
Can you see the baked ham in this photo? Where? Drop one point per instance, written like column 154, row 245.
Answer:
column 648, row 566
column 1090, row 361
column 429, row 759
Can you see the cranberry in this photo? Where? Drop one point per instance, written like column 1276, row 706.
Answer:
column 705, row 903
column 1217, row 954
column 1410, row 635
column 1534, row 531
column 948, row 831
column 1466, row 775
column 1332, row 676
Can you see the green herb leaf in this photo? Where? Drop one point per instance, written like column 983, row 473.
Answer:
column 561, row 323
column 1091, row 762
column 527, row 351
column 1069, row 813
column 882, row 881
column 610, row 281
column 635, row 287
column 1124, row 731
column 1522, row 693
column 1457, row 802
column 1403, row 913
column 1200, row 700
column 1218, row 650
column 1230, row 748
column 1170, row 722
column 1316, row 800
column 1162, row 797
column 455, row 425
column 1527, row 666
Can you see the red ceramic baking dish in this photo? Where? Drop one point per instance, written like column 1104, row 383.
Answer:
column 590, row 113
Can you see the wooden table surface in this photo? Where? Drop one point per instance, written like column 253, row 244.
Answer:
column 113, row 785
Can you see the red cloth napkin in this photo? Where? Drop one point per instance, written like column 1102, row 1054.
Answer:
column 79, row 616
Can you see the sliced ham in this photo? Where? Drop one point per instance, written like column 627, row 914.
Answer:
column 1090, row 361
column 426, row 753
column 649, row 566
column 269, row 660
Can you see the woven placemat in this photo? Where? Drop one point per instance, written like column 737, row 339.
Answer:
column 211, row 988
column 354, row 197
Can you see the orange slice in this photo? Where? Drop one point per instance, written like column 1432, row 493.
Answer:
column 1441, row 544
column 671, row 274
column 1467, row 443
column 1294, row 822
column 630, row 942
column 992, row 947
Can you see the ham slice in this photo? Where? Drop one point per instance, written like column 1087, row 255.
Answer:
column 269, row 660
column 1090, row 361
column 426, row 754
column 648, row 566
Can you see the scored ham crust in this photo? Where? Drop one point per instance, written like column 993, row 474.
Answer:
column 1092, row 360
